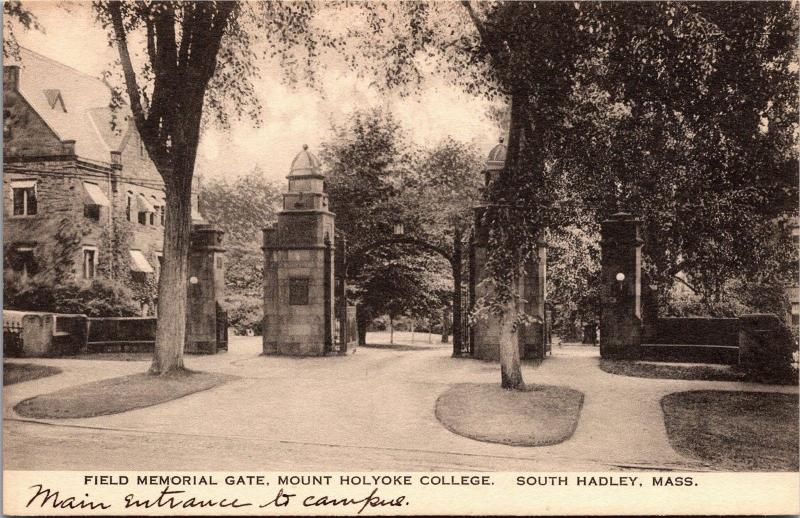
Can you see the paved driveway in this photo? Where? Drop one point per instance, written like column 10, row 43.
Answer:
column 370, row 411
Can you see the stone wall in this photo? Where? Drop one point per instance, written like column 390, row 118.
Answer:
column 694, row 339
column 48, row 334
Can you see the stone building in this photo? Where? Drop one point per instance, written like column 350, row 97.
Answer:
column 69, row 158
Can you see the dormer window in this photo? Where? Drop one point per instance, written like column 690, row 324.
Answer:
column 55, row 100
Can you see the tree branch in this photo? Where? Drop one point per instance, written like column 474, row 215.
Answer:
column 151, row 38
column 139, row 116
column 683, row 281
column 475, row 20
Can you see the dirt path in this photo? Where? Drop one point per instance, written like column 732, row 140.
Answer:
column 370, row 411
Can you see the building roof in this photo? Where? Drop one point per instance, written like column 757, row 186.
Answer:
column 497, row 157
column 305, row 163
column 73, row 104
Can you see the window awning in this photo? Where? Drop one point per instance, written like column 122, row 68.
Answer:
column 144, row 205
column 139, row 262
column 95, row 195
column 23, row 184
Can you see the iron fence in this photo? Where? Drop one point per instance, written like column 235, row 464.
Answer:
column 12, row 339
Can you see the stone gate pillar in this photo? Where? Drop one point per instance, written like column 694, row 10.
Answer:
column 298, row 267
column 621, row 291
column 206, row 289
column 533, row 336
column 485, row 333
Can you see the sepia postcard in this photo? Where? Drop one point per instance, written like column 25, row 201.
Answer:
column 404, row 258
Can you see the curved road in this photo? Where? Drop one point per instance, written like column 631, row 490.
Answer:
column 370, row 411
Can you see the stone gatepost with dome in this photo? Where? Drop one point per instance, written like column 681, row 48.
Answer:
column 485, row 332
column 299, row 315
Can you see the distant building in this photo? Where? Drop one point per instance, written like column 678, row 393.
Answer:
column 67, row 156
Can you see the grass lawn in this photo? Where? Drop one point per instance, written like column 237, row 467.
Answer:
column 671, row 371
column 19, row 372
column 542, row 415
column 115, row 395
column 734, row 431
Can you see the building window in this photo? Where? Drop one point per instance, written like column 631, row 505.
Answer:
column 92, row 212
column 93, row 199
column 24, row 262
column 89, row 263
column 163, row 212
column 128, row 206
column 24, row 194
column 298, row 291
column 145, row 209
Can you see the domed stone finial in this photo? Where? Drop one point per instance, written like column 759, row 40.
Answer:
column 305, row 163
column 497, row 157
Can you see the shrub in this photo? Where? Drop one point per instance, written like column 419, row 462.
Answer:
column 767, row 349
column 101, row 298
column 244, row 312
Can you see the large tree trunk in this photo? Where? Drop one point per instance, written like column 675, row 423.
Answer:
column 445, row 325
column 362, row 320
column 172, row 289
column 510, row 366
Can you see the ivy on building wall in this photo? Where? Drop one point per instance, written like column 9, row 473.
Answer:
column 53, row 284
column 114, row 264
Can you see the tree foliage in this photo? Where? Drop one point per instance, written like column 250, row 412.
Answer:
column 242, row 208
column 447, row 184
column 368, row 159
column 684, row 114
column 15, row 13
